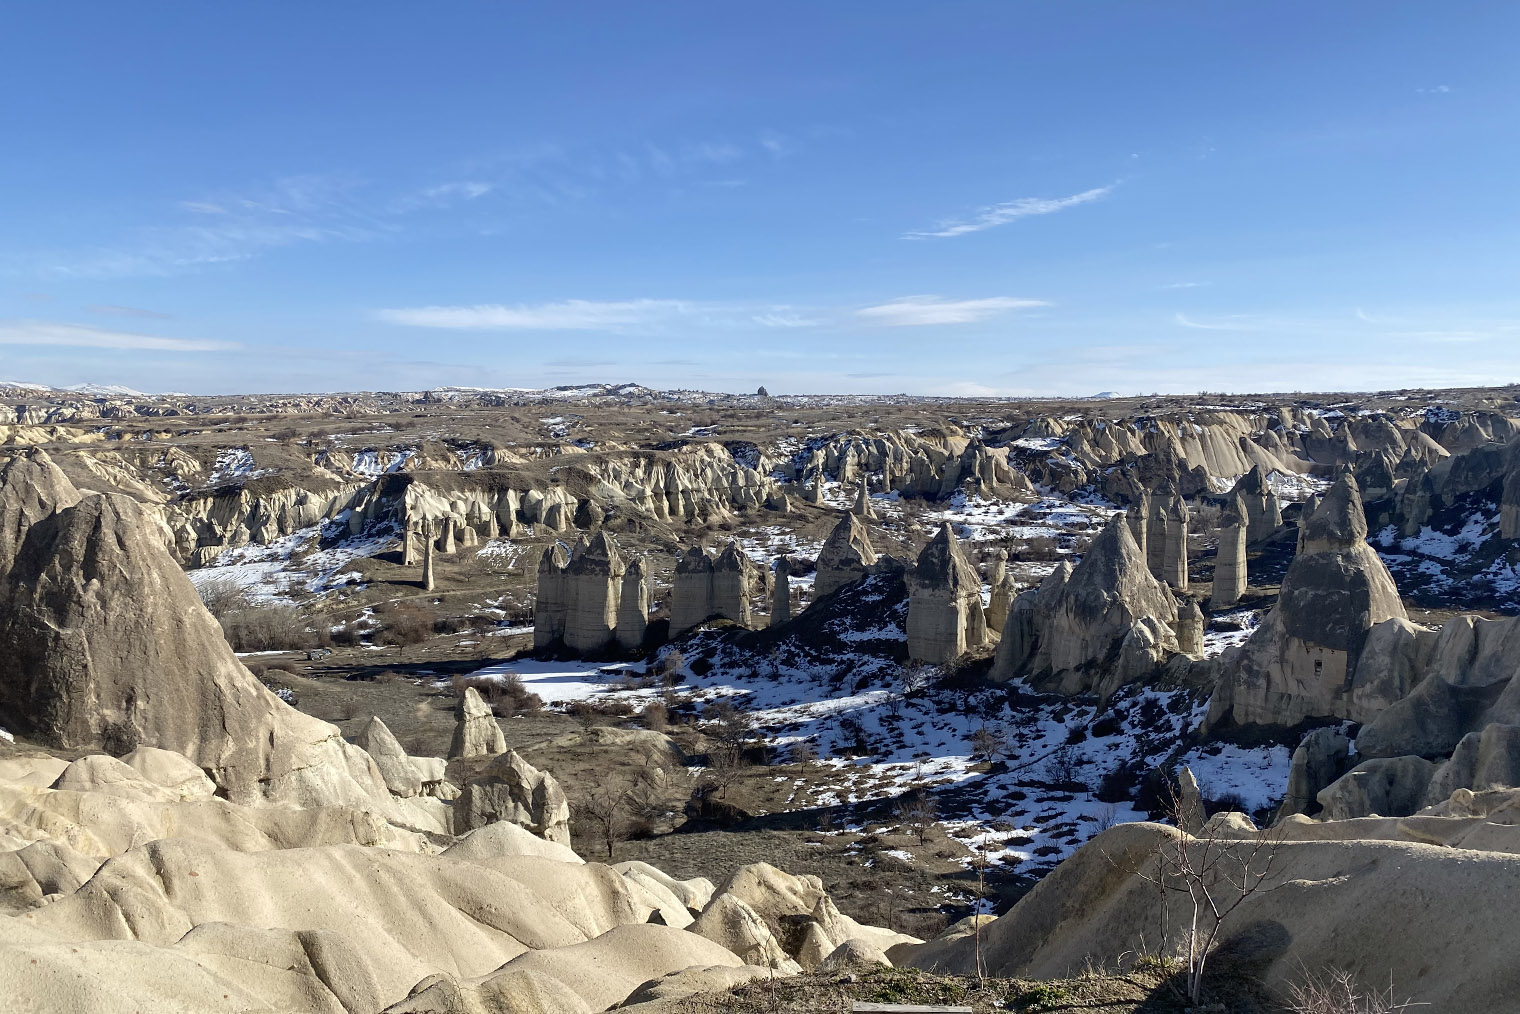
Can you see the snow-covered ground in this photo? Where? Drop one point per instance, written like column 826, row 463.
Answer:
column 297, row 563
column 235, row 463
column 1061, row 768
column 559, row 683
column 976, row 519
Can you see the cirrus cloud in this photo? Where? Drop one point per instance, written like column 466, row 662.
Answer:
column 38, row 332
column 916, row 311
column 994, row 215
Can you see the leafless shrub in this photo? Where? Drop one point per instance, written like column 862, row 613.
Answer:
column 618, row 806
column 508, row 695
column 1336, row 991
column 988, row 742
column 1215, row 875
column 268, row 628
column 918, row 812
column 223, row 595
column 405, row 625
column 1062, row 765
column 670, row 668
column 655, row 716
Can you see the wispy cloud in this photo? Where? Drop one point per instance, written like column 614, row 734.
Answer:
column 568, row 315
column 784, row 318
column 599, row 315
column 1184, row 285
column 1221, row 324
column 111, row 310
column 995, row 215
column 1439, row 89
column 914, row 311
column 298, row 209
column 441, row 196
column 36, row 332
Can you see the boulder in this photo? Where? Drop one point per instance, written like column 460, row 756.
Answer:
column 509, row 788
column 172, row 771
column 401, row 776
column 1319, row 759
column 1482, row 760
column 1386, row 786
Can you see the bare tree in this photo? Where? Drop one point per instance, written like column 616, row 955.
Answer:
column 918, row 811
column 1062, row 765
column 979, row 863
column 804, row 753
column 725, row 764
column 1215, row 874
column 670, row 668
column 914, row 678
column 988, row 742
column 608, row 809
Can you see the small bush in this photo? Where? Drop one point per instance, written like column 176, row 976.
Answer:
column 507, row 695
column 406, row 625
column 268, row 628
column 223, row 596
column 1337, row 992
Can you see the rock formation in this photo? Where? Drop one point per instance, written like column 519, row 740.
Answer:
column 31, row 489
column 1301, row 662
column 1263, row 509
column 1174, row 561
column 1070, row 631
column 781, row 593
column 846, row 557
column 691, row 596
column 945, row 618
column 1230, row 561
column 509, row 788
column 633, row 608
column 1190, row 814
column 1190, row 628
column 1509, row 506
column 862, row 508
column 592, row 584
column 733, row 580
column 401, row 776
column 476, row 733
column 1154, row 550
column 551, row 608
column 1003, row 591
column 446, row 543
column 1137, row 515
column 106, row 645
column 1319, row 759
column 428, row 548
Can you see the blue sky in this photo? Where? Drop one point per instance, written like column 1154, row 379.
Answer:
column 948, row 198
